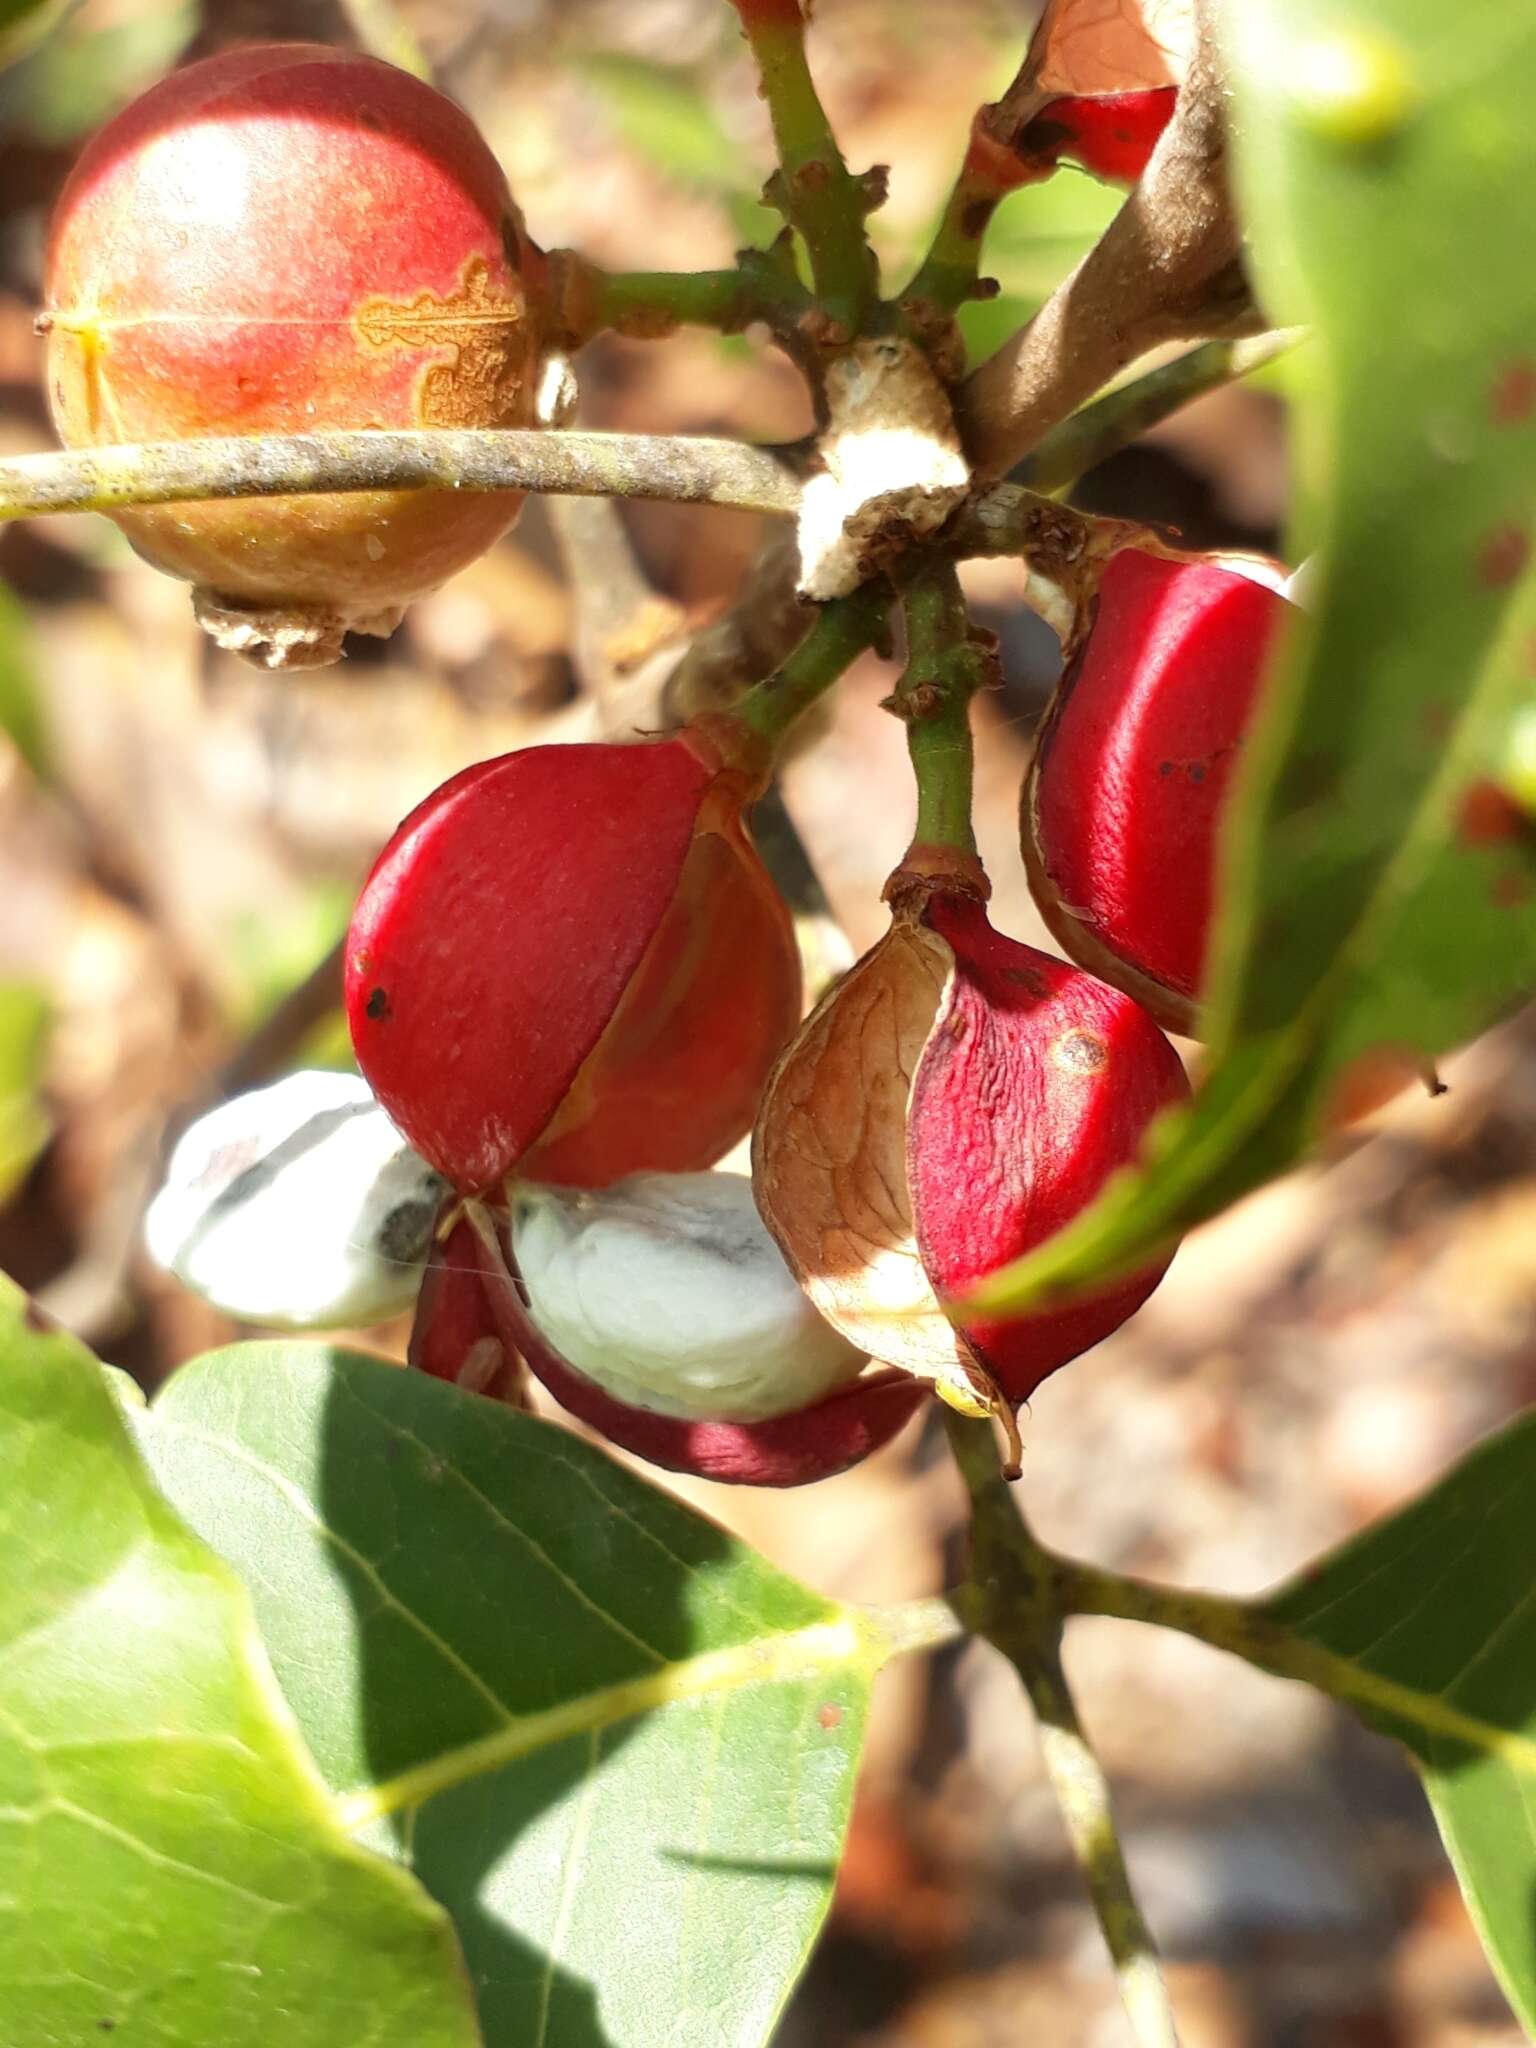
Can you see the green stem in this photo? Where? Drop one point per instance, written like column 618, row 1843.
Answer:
column 686, row 469
column 950, row 272
column 1247, row 1632
column 646, row 304
column 820, row 195
column 946, row 665
column 1015, row 1601
column 841, row 632
column 1112, row 422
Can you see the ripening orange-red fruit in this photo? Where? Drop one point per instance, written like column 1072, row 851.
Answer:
column 277, row 240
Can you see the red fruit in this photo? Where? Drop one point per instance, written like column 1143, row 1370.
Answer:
column 571, row 961
column 783, row 1450
column 454, row 1335
column 281, row 239
column 949, row 1106
column 1111, row 134
column 1124, row 800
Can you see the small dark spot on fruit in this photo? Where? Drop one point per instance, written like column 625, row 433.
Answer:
column 1081, row 1051
column 1503, row 554
column 1026, row 977
column 830, row 1716
column 1196, row 771
column 1511, row 890
column 1165, row 767
column 106, row 2026
column 1514, row 393
column 378, row 1005
column 367, row 118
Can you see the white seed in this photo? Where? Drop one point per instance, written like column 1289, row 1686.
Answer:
column 668, row 1292
column 298, row 1205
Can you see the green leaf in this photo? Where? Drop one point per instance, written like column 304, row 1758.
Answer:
column 24, row 23
column 25, row 1126
column 470, row 1608
column 171, row 1866
column 1364, row 920
column 1432, row 1616
column 21, row 717
column 76, row 79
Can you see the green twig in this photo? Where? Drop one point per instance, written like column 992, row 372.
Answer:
column 1112, row 422
column 646, row 304
column 682, row 468
column 950, row 272
column 1015, row 1601
column 841, row 632
column 819, row 194
column 946, row 664
column 1247, row 1632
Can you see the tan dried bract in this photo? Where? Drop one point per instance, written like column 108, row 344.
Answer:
column 829, row 1154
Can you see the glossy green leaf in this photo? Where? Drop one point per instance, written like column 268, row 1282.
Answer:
column 171, row 1866
column 1386, row 156
column 1431, row 1615
column 470, row 1608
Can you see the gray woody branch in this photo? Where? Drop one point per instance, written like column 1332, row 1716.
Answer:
column 685, row 469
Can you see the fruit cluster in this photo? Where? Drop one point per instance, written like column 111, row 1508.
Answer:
column 573, row 986
column 571, row 983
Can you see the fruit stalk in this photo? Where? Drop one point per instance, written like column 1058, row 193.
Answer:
column 819, row 194
column 1014, row 1600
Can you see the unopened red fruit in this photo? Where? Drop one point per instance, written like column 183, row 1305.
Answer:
column 1123, row 805
column 955, row 1101
column 278, row 240
column 570, row 961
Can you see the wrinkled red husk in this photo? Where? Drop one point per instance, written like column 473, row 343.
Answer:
column 784, row 1450
column 498, row 932
column 1112, row 134
column 454, row 1335
column 1037, row 1082
column 1124, row 800
column 281, row 239
column 675, row 1079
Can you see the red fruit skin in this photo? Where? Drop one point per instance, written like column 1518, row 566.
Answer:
column 281, row 239
column 785, row 1450
column 572, row 960
column 1112, row 134
column 1037, row 1083
column 1123, row 803
column 675, row 1079
column 497, row 933
column 454, row 1336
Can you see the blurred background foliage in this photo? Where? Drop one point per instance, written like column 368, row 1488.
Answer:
column 179, row 842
